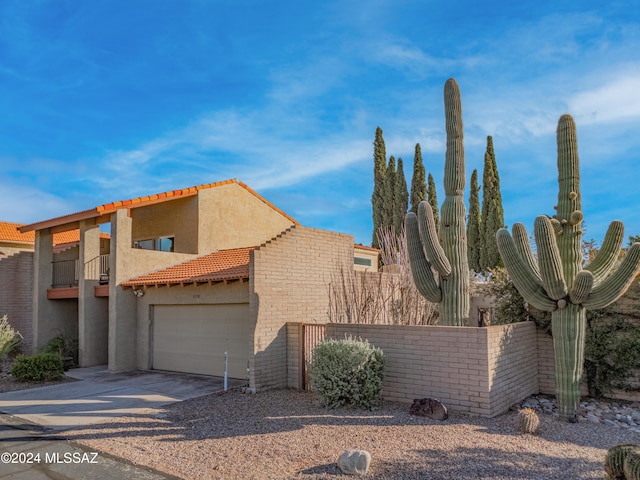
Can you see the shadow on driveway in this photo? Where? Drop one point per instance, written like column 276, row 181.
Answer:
column 99, row 395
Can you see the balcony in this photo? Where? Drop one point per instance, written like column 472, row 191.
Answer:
column 66, row 277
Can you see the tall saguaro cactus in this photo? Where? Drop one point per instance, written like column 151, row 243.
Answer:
column 556, row 282
column 447, row 255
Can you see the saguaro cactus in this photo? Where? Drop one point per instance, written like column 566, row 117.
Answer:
column 556, row 282
column 447, row 255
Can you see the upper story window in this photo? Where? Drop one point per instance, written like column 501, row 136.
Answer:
column 363, row 261
column 163, row 244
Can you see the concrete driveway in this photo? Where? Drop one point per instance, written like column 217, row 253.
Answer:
column 98, row 395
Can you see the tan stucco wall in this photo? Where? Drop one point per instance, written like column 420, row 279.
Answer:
column 8, row 248
column 366, row 253
column 176, row 218
column 233, row 292
column 93, row 312
column 50, row 318
column 232, row 217
column 289, row 283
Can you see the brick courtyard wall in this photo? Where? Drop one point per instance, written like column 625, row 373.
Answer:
column 289, row 282
column 16, row 295
column 546, row 359
column 481, row 371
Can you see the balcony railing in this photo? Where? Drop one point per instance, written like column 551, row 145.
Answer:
column 66, row 272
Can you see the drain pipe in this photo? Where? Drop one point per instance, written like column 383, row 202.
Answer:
column 226, row 368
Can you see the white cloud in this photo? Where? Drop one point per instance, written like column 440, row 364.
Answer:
column 34, row 205
column 616, row 100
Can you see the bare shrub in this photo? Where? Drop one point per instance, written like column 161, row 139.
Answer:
column 387, row 297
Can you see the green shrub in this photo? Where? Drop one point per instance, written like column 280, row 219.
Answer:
column 41, row 367
column 63, row 346
column 347, row 372
column 9, row 338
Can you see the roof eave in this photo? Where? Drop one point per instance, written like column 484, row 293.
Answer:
column 70, row 220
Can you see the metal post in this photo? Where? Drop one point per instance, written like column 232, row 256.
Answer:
column 226, row 368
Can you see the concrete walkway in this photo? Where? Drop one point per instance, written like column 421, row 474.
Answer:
column 98, row 395
column 31, row 448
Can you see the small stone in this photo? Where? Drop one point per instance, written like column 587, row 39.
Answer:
column 354, row 462
column 429, row 407
column 592, row 418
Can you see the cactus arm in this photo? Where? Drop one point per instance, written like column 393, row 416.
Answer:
column 608, row 254
column 582, row 286
column 420, row 266
column 453, row 232
column 448, row 253
column 454, row 168
column 429, row 237
column 522, row 276
column 549, row 259
column 609, row 290
column 521, row 240
column 569, row 199
column 557, row 226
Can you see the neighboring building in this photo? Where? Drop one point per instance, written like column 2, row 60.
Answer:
column 16, row 274
column 186, row 276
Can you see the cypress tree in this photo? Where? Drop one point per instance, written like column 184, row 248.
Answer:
column 492, row 212
column 432, row 198
column 418, row 183
column 389, row 193
column 379, row 173
column 401, row 198
column 473, row 225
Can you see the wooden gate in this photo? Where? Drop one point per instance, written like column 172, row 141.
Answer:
column 312, row 334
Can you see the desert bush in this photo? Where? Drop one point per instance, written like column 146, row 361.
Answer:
column 347, row 372
column 41, row 367
column 9, row 338
column 63, row 346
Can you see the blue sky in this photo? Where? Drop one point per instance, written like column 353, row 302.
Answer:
column 106, row 100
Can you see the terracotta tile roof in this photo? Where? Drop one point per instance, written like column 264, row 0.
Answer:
column 109, row 208
column 359, row 246
column 9, row 233
column 219, row 266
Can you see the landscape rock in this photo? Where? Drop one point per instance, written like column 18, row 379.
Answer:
column 354, row 462
column 429, row 407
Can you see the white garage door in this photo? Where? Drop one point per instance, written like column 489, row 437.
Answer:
column 193, row 338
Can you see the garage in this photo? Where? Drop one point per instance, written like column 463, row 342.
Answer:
column 194, row 339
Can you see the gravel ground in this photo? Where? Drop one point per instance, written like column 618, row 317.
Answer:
column 284, row 434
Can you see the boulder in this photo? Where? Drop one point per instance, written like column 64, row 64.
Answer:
column 429, row 407
column 354, row 462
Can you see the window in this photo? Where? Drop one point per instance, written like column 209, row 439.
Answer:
column 163, row 244
column 365, row 262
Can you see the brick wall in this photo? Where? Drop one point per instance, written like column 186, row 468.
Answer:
column 546, row 365
column 16, row 294
column 289, row 283
column 479, row 371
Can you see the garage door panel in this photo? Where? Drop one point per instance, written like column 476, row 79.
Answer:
column 193, row 338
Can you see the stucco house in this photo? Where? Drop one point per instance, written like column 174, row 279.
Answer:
column 185, row 277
